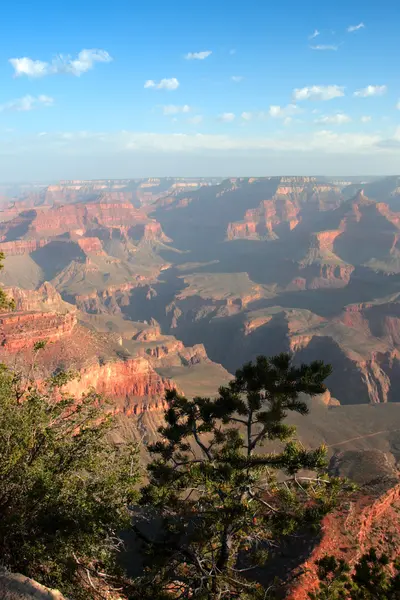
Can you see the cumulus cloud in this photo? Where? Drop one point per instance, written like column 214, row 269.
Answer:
column 282, row 112
column 196, row 119
column 371, row 90
column 318, row 92
column 337, row 119
column 164, row 84
column 352, row 28
column 314, row 35
column 247, row 116
column 173, row 109
column 324, row 47
column 237, row 78
column 27, row 103
column 198, row 55
column 60, row 64
column 366, row 119
column 227, row 117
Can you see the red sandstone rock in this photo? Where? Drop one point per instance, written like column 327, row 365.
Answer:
column 132, row 382
column 323, row 240
column 19, row 247
column 20, row 331
column 365, row 522
column 77, row 219
column 91, row 245
column 44, row 298
column 262, row 221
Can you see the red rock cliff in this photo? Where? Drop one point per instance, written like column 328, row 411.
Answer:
column 368, row 521
column 133, row 383
column 19, row 331
column 21, row 246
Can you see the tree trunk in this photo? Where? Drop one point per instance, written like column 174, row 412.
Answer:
column 223, row 559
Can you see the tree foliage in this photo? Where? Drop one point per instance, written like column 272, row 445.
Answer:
column 219, row 502
column 5, row 302
column 372, row 578
column 64, row 487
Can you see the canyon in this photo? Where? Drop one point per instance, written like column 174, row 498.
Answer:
column 238, row 267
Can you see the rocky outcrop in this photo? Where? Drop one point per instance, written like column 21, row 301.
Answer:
column 369, row 519
column 44, row 298
column 148, row 232
column 91, row 245
column 111, row 300
column 133, row 384
column 324, row 240
column 320, row 267
column 14, row 586
column 19, row 247
column 40, row 315
column 79, row 218
column 19, row 331
column 86, row 221
column 319, row 275
column 263, row 221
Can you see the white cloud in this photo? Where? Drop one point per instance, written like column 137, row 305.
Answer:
column 325, row 141
column 366, row 119
column 173, row 109
column 227, row 117
column 198, row 55
column 337, row 119
column 282, row 112
column 196, row 119
column 164, row 84
column 61, row 64
column 27, row 66
column 86, row 60
column 287, row 121
column 314, row 35
column 352, row 28
column 26, row 103
column 237, row 78
column 398, row 105
column 371, row 90
column 318, row 92
column 46, row 100
column 324, row 47
column 55, row 155
column 247, row 116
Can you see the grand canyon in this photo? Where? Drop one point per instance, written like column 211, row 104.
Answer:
column 146, row 285
column 178, row 282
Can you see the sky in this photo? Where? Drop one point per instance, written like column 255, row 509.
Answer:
column 132, row 88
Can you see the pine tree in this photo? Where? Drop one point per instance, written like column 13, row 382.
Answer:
column 218, row 502
column 373, row 577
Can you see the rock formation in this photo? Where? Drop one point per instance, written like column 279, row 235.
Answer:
column 14, row 586
column 369, row 519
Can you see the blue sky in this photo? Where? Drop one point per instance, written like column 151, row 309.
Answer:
column 127, row 88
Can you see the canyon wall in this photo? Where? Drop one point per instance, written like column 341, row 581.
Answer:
column 369, row 519
column 132, row 384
